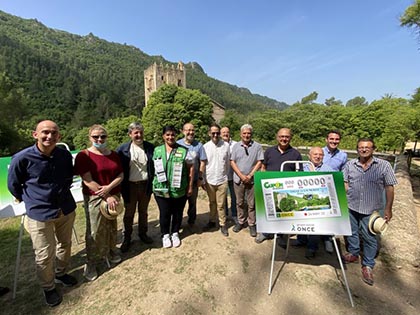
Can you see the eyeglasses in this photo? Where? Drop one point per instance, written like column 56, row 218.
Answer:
column 215, row 133
column 102, row 137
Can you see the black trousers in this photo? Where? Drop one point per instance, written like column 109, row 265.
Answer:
column 170, row 213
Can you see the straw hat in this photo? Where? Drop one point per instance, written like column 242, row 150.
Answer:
column 377, row 224
column 109, row 213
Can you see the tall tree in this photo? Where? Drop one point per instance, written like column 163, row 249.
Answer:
column 411, row 17
column 357, row 101
column 172, row 105
column 309, row 99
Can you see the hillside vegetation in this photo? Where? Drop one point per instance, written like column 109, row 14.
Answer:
column 81, row 80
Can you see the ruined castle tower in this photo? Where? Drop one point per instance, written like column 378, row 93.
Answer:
column 157, row 75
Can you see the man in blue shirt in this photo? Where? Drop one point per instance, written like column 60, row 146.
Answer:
column 334, row 157
column 41, row 176
column 196, row 150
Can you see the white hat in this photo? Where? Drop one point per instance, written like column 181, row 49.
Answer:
column 377, row 224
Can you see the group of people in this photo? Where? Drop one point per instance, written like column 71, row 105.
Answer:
column 173, row 172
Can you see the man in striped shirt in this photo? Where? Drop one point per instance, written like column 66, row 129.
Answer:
column 366, row 179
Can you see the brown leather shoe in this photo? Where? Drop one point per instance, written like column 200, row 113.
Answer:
column 367, row 275
column 349, row 258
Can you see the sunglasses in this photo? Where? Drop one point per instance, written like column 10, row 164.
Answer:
column 102, row 137
column 215, row 133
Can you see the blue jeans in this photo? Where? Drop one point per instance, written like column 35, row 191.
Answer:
column 359, row 224
column 232, row 200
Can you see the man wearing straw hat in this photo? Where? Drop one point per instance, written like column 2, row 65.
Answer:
column 366, row 179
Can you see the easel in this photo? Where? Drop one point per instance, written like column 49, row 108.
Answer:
column 270, row 286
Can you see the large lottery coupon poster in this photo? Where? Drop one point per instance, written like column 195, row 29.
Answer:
column 301, row 203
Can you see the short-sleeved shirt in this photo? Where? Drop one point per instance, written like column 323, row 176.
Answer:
column 273, row 159
column 246, row 157
column 365, row 192
column 218, row 162
column 196, row 151
column 336, row 160
column 103, row 169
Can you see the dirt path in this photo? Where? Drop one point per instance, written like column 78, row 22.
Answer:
column 212, row 274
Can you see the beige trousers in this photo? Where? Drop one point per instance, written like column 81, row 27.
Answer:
column 51, row 241
column 217, row 199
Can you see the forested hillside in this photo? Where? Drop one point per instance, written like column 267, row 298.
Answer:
column 80, row 80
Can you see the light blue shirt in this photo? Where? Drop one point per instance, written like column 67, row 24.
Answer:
column 197, row 152
column 320, row 168
column 335, row 160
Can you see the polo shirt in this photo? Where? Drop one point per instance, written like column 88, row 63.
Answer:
column 335, row 160
column 273, row 159
column 366, row 187
column 218, row 161
column 246, row 157
column 42, row 182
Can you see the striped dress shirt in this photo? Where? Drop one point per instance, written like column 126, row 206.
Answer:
column 366, row 187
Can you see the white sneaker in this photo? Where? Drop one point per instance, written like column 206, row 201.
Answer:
column 166, row 241
column 329, row 247
column 176, row 242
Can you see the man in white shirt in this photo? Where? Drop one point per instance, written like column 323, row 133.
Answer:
column 225, row 134
column 217, row 166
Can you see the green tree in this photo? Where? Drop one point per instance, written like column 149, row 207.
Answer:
column 357, row 101
column 172, row 105
column 12, row 106
column 309, row 99
column 332, row 102
column 411, row 17
column 232, row 119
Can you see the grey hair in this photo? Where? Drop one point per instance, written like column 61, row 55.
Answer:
column 135, row 125
column 246, row 126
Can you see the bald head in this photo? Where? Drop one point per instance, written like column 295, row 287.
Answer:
column 47, row 134
column 316, row 155
column 284, row 135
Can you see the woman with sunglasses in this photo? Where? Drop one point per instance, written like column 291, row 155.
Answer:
column 102, row 173
column 172, row 184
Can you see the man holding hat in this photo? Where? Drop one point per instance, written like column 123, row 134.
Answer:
column 366, row 179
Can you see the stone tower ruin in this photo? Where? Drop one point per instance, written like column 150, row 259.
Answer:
column 157, row 75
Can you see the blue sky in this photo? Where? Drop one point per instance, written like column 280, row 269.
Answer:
column 282, row 49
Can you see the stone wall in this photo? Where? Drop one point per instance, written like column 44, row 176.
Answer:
column 401, row 242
